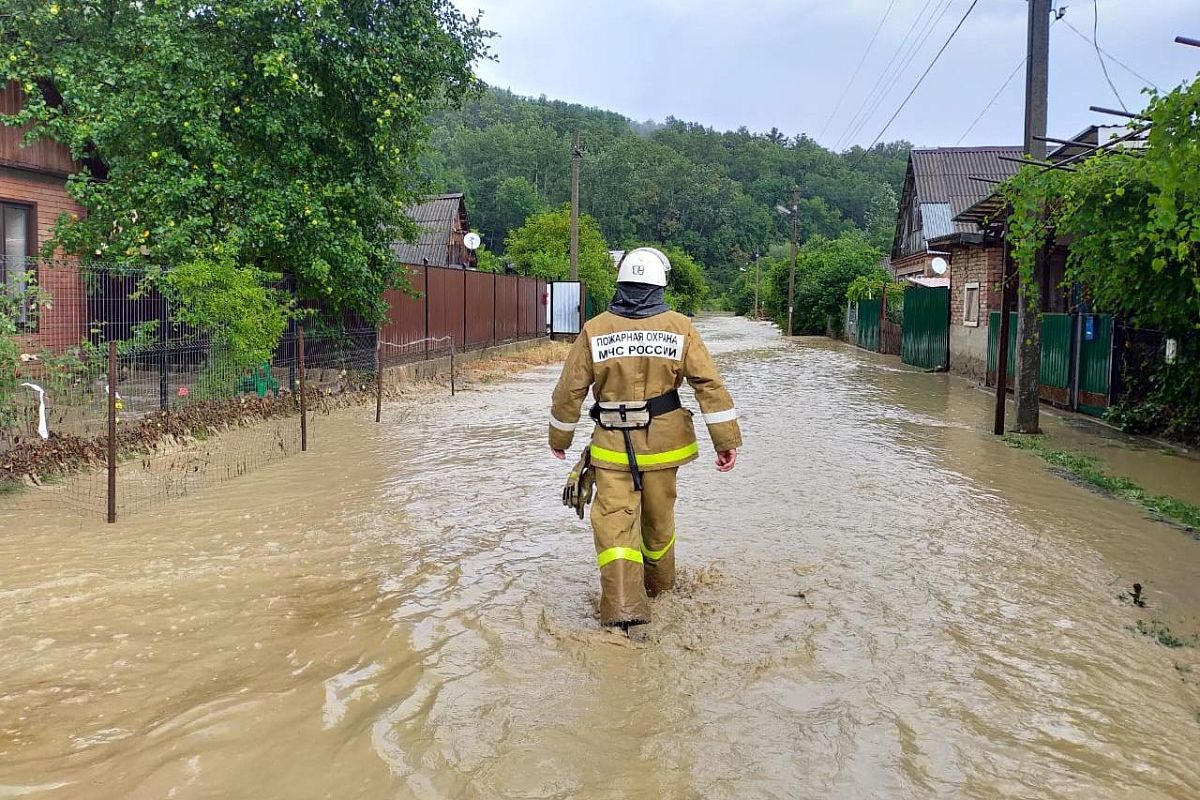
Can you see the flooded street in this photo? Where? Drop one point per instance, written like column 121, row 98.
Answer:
column 881, row 601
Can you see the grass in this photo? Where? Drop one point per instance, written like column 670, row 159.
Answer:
column 1087, row 470
column 1158, row 630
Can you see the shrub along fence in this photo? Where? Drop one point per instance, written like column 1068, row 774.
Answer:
column 98, row 374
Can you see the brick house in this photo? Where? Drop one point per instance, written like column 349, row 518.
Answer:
column 33, row 196
column 939, row 185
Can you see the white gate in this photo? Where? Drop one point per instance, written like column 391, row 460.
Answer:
column 566, row 312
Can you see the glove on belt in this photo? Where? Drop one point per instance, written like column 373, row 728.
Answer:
column 581, row 484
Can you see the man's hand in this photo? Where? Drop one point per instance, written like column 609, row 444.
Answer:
column 726, row 459
column 561, row 455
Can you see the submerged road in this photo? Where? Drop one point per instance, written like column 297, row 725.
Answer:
column 881, row 601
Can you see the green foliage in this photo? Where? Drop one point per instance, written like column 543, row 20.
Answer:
column 1133, row 216
column 215, row 295
column 1159, row 631
column 487, row 261
column 875, row 284
column 1086, row 469
column 541, row 248
column 281, row 138
column 825, row 268
column 681, row 184
column 1161, row 398
column 686, row 287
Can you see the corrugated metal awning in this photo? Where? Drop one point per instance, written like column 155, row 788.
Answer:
column 932, row 283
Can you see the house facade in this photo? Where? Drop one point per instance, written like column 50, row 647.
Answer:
column 442, row 225
column 940, row 184
column 33, row 196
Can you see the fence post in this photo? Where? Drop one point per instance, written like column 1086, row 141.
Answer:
column 495, row 308
column 1076, row 359
column 112, row 431
column 378, row 374
column 452, row 365
column 163, row 365
column 303, row 391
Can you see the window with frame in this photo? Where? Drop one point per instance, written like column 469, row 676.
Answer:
column 16, row 223
column 971, row 304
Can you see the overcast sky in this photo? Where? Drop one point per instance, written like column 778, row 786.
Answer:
column 786, row 63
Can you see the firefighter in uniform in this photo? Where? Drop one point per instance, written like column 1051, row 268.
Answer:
column 634, row 357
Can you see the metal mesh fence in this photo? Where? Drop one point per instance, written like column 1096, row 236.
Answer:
column 185, row 413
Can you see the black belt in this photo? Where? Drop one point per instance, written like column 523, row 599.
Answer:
column 656, row 407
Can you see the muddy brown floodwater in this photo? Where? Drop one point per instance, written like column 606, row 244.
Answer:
column 882, row 601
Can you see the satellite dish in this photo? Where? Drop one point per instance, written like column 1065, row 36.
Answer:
column 940, row 265
column 472, row 241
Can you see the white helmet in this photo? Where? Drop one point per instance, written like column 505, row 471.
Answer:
column 644, row 265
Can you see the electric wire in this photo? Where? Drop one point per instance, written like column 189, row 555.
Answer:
column 1099, row 57
column 921, row 80
column 895, row 67
column 886, row 70
column 893, row 80
column 992, row 102
column 858, row 69
column 1110, row 56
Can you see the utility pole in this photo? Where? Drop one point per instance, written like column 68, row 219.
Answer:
column 757, row 315
column 575, row 156
column 1029, row 334
column 792, row 272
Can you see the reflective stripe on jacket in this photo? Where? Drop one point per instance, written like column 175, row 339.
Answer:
column 638, row 359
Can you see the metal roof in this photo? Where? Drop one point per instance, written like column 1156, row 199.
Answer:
column 435, row 221
column 933, row 283
column 936, row 220
column 945, row 175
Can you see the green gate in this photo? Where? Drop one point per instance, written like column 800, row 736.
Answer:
column 1095, row 363
column 925, row 337
column 869, row 312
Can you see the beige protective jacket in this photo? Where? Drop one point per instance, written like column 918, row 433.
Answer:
column 639, row 359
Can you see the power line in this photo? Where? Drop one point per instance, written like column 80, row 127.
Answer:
column 1109, row 55
column 910, row 56
column 857, row 69
column 921, row 80
column 1100, row 58
column 894, row 68
column 992, row 102
column 886, row 70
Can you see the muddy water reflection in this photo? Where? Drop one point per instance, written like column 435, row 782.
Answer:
column 880, row 602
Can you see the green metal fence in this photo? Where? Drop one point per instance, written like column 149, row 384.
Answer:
column 593, row 305
column 925, row 337
column 1095, row 363
column 1058, row 345
column 869, row 312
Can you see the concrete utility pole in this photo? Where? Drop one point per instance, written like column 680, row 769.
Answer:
column 792, row 272
column 575, row 156
column 757, row 314
column 1029, row 333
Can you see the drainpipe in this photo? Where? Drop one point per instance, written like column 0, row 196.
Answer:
column 1076, row 355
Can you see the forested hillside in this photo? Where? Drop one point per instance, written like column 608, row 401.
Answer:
column 712, row 194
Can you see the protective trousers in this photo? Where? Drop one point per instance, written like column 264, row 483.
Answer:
column 635, row 542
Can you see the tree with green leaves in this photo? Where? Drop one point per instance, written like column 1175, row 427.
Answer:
column 236, row 140
column 686, row 287
column 681, row 184
column 1132, row 216
column 541, row 248
column 825, row 269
